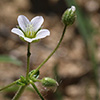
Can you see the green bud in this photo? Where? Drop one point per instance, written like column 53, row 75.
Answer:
column 49, row 82
column 68, row 17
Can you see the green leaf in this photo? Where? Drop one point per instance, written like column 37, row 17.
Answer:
column 8, row 59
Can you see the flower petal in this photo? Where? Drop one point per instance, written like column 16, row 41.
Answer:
column 28, row 39
column 17, row 32
column 42, row 33
column 37, row 22
column 73, row 8
column 23, row 22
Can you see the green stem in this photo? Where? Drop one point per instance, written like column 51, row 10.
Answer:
column 9, row 85
column 28, row 60
column 19, row 92
column 37, row 69
column 36, row 89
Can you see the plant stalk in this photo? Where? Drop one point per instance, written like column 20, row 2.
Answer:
column 36, row 89
column 9, row 85
column 28, row 61
column 19, row 93
column 37, row 69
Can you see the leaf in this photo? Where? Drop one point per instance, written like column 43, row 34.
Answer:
column 8, row 59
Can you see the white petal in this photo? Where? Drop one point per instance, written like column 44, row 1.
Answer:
column 22, row 21
column 73, row 8
column 42, row 33
column 28, row 39
column 37, row 22
column 17, row 32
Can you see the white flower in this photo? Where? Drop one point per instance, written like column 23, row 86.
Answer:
column 30, row 30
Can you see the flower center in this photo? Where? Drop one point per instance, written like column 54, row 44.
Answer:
column 29, row 31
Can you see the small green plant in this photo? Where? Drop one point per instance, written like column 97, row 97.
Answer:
column 30, row 31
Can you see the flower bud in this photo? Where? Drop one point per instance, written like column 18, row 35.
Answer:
column 68, row 17
column 49, row 82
